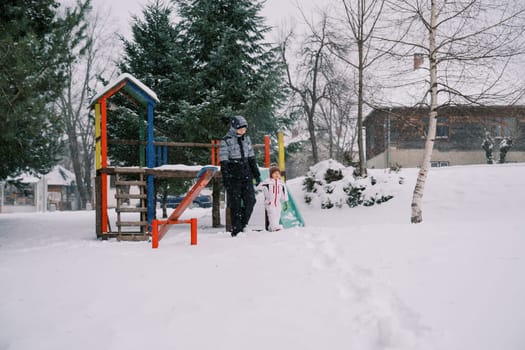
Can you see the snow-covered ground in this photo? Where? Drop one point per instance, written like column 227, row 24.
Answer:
column 361, row 278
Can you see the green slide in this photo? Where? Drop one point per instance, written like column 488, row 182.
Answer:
column 290, row 215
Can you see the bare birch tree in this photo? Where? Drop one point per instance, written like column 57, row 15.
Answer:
column 94, row 60
column 357, row 47
column 471, row 47
column 307, row 82
column 417, row 215
column 337, row 116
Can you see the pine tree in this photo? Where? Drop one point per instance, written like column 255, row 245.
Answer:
column 209, row 66
column 234, row 70
column 31, row 78
column 154, row 56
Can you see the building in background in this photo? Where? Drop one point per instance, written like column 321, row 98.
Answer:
column 55, row 190
column 396, row 136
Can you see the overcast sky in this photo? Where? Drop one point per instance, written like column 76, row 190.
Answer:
column 277, row 12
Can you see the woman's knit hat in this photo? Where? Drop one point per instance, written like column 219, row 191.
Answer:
column 238, row 122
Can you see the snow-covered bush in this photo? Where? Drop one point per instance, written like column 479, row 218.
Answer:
column 329, row 184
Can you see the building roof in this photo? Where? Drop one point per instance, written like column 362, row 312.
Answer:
column 495, row 110
column 58, row 176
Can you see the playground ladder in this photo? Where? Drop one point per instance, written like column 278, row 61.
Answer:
column 122, row 195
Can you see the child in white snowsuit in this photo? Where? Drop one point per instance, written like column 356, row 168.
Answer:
column 275, row 195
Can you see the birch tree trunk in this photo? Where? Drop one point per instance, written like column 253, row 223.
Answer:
column 362, row 18
column 360, row 98
column 417, row 214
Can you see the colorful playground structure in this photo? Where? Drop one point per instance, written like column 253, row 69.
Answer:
column 152, row 159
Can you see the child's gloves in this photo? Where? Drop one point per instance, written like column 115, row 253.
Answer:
column 285, row 206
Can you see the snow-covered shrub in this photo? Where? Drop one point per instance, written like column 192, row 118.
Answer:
column 329, row 184
column 396, row 167
column 332, row 175
column 309, row 184
column 327, row 204
column 355, row 195
column 321, row 185
column 358, row 196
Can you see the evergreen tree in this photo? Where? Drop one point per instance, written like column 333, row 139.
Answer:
column 209, row 66
column 155, row 57
column 32, row 63
column 234, row 71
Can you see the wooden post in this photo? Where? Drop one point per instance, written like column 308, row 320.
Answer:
column 280, row 144
column 98, row 205
column 104, row 164
column 142, row 138
column 217, row 148
column 193, row 223
column 216, row 202
column 154, row 234
column 227, row 215
column 267, row 151
column 213, row 161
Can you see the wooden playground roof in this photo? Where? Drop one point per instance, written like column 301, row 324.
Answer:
column 131, row 86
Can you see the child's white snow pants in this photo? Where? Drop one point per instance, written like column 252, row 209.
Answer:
column 274, row 215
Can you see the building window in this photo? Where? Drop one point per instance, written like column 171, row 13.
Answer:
column 504, row 127
column 442, row 128
column 19, row 194
column 439, row 163
column 419, row 59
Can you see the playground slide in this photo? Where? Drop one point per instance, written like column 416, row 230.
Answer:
column 290, row 215
column 203, row 177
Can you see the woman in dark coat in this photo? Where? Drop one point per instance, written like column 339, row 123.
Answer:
column 239, row 169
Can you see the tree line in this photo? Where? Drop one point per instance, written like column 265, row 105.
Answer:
column 210, row 59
